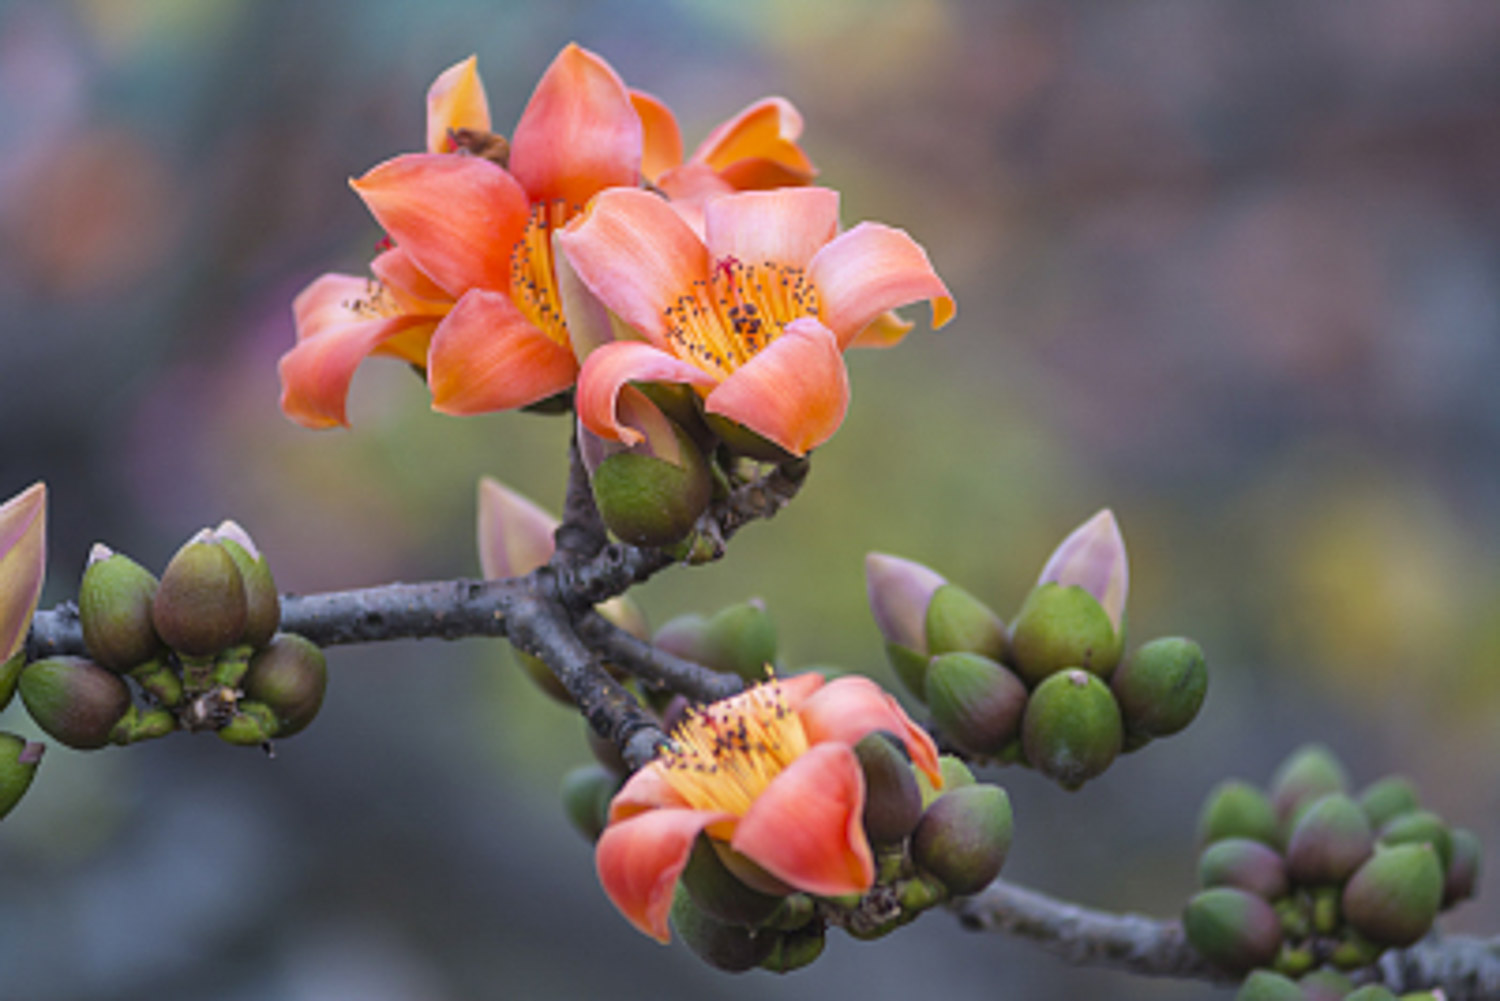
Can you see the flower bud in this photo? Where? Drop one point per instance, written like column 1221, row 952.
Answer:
column 893, row 803
column 1295, row 914
column 136, row 726
column 1463, row 871
column 958, row 622
column 1386, row 799
column 10, row 673
column 1161, row 686
column 586, row 792
column 1325, row 909
column 963, row 837
column 1248, row 865
column 289, row 675
column 1237, row 809
column 955, row 775
column 1393, row 898
column 75, row 700
column 1353, row 951
column 199, row 608
column 794, row 950
column 1371, row 992
column 1326, row 985
column 23, row 564
column 740, row 639
column 732, row 948
column 1093, row 558
column 975, row 702
column 1265, row 985
column 1071, row 731
column 1293, row 960
column 1232, row 929
column 1330, row 841
column 158, row 678
column 262, row 603
column 1310, row 772
column 1420, row 827
column 720, row 894
column 1059, row 627
column 650, row 494
column 253, row 724
column 18, row 762
column 114, row 609
column 900, row 592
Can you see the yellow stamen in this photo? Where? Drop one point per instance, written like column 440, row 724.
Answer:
column 724, row 755
column 377, row 303
column 730, row 317
column 533, row 278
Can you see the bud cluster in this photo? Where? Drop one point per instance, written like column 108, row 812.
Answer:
column 200, row 644
column 1321, row 985
column 1308, row 879
column 1055, row 690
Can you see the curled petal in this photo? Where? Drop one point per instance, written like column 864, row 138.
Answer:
column 766, row 130
column 637, row 255
column 646, row 789
column 690, row 187
column 848, row 709
column 456, row 101
column 806, row 828
column 330, row 301
column 411, row 289
column 23, row 564
column 661, row 141
column 579, row 134
column 640, row 858
column 885, row 331
column 607, row 372
column 457, row 216
column 787, row 226
column 794, row 393
column 514, row 534
column 316, row 373
column 487, row 356
column 798, row 688
column 870, row 269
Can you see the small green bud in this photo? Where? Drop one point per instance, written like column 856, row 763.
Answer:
column 1463, row 871
column 18, row 762
column 114, row 610
column 75, row 700
column 794, row 950
column 975, row 702
column 1310, row 772
column 136, row 726
column 1072, row 730
column 740, row 639
column 732, row 948
column 1354, row 951
column 290, row 675
column 1295, row 914
column 1161, row 686
column 893, row 803
column 586, row 792
column 1294, row 960
column 1325, row 909
column 651, row 501
column 160, row 680
column 1237, row 809
column 955, row 775
column 1419, row 827
column 910, row 668
column 262, row 603
column 1394, row 897
column 1232, row 929
column 252, row 725
column 1330, row 841
column 957, row 621
column 920, row 893
column 1060, row 627
column 1241, row 862
column 963, row 837
column 1326, row 985
column 1265, row 985
column 1370, row 992
column 796, row 910
column 719, row 894
column 199, row 608
column 10, row 673
column 1386, row 799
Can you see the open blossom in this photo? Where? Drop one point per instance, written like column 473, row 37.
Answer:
column 754, row 315
column 23, row 564
column 772, row 774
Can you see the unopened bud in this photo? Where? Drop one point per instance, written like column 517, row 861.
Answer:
column 199, row 608
column 262, row 603
column 114, row 610
column 958, row 622
column 1237, row 809
column 1059, row 627
column 893, row 803
column 1267, row 985
column 160, row 680
column 1326, row 985
column 18, row 762
column 1386, row 799
column 1232, row 929
column 75, row 700
column 1394, row 897
column 728, row 947
column 955, row 775
column 963, row 837
column 1161, row 686
column 1293, row 960
column 1248, row 865
column 1463, row 870
column 975, row 702
column 136, row 726
column 10, row 673
column 252, row 725
column 1331, row 840
column 652, row 493
column 1420, row 827
column 1072, row 730
column 1093, row 558
column 722, row 895
column 794, row 950
column 23, row 564
column 740, row 639
column 900, row 592
column 586, row 792
column 1310, row 772
column 1354, row 951
column 1370, row 992
column 290, row 676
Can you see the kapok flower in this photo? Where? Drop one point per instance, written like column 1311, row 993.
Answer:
column 754, row 315
column 23, row 564
column 468, row 290
column 772, row 774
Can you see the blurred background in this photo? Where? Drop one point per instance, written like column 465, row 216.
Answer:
column 1232, row 269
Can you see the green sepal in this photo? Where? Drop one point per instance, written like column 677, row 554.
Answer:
column 160, row 680
column 910, row 667
column 253, row 724
column 727, row 947
column 136, row 726
column 719, row 894
column 794, row 950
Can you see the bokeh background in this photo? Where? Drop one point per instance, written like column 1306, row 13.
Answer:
column 1232, row 269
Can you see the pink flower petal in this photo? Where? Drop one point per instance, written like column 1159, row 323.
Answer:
column 315, row 374
column 646, row 789
column 661, row 138
column 487, row 356
column 900, row 591
column 329, row 301
column 690, row 187
column 806, row 827
column 766, row 130
column 848, row 709
column 794, row 393
column 514, row 534
column 456, row 101
column 610, row 368
column 787, row 226
column 640, row 858
column 23, row 564
column 885, row 331
column 411, row 289
column 870, row 269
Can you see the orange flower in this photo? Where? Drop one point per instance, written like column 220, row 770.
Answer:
column 771, row 773
column 469, row 290
column 754, row 315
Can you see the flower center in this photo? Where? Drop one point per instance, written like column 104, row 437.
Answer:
column 724, row 755
column 731, row 316
column 376, row 304
column 533, row 278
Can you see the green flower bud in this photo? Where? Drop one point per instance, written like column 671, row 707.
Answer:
column 918, row 894
column 910, row 668
column 1354, row 951
column 136, row 726
column 10, row 673
column 289, row 675
column 75, row 700
column 1246, row 864
column 795, row 950
column 893, row 803
column 732, row 948
column 1232, row 929
column 1325, row 909
column 1264, row 985
column 796, row 910
column 651, row 501
column 1310, row 772
column 1394, row 897
column 1293, row 960
column 1072, row 729
column 958, row 622
column 975, row 702
column 586, row 792
column 1419, row 827
column 740, row 639
column 199, row 608
column 720, row 894
column 18, row 762
column 1295, row 914
column 1332, row 839
column 1161, row 686
column 262, row 603
column 1237, row 809
column 1463, row 871
column 1386, row 799
column 955, row 774
column 1326, row 985
column 252, row 725
column 114, row 609
column 158, row 678
column 1371, row 992
column 1060, row 627
column 963, row 837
